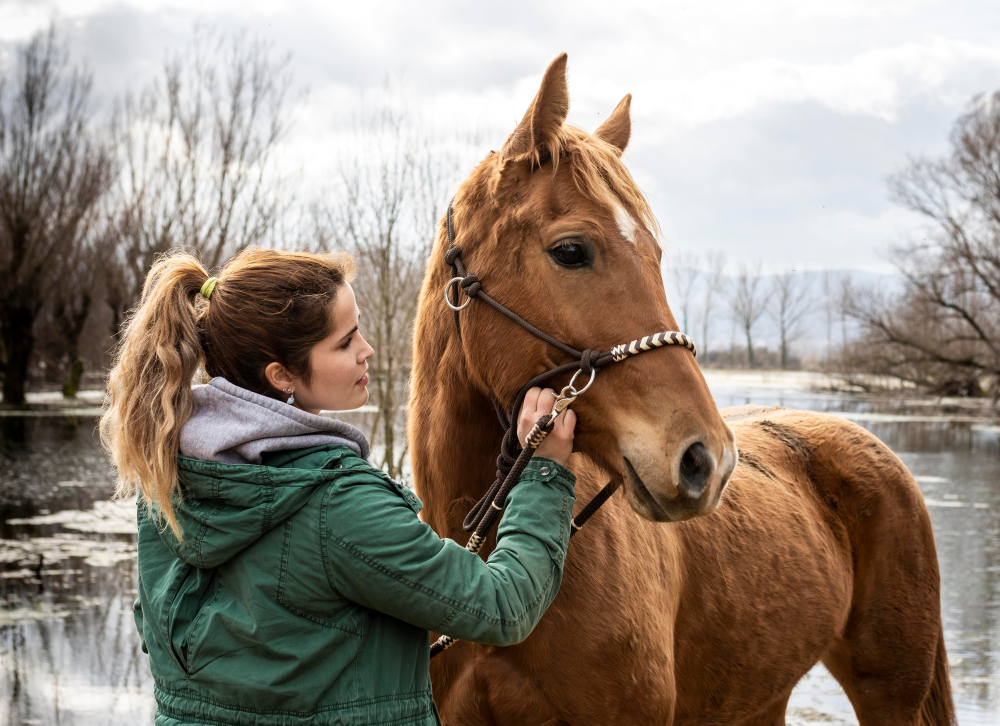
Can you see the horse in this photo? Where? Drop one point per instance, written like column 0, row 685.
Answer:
column 711, row 587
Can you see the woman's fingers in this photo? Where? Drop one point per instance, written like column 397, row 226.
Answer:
column 566, row 422
column 564, row 425
column 546, row 401
column 526, row 418
column 530, row 401
column 538, row 402
column 558, row 445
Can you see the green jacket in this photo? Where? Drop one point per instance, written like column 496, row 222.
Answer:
column 305, row 588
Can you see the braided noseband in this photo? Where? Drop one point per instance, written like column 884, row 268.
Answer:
column 513, row 459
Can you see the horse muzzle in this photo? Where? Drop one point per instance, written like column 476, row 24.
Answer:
column 690, row 486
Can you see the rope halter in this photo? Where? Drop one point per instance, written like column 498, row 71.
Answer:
column 512, row 458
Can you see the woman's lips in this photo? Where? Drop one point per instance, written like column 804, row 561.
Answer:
column 363, row 381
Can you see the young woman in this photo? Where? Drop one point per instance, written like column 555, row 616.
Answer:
column 283, row 579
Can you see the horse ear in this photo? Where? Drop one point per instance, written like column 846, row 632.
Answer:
column 617, row 128
column 540, row 127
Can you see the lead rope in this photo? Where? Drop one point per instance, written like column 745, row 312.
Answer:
column 511, row 462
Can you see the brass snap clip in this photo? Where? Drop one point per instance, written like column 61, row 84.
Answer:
column 569, row 393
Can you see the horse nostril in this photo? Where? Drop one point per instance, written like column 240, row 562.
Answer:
column 696, row 467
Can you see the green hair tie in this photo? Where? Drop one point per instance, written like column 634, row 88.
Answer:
column 206, row 289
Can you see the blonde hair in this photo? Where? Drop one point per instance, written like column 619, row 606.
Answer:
column 268, row 305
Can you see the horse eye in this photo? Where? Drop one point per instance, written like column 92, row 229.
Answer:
column 570, row 254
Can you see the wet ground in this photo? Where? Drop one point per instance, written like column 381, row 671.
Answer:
column 68, row 650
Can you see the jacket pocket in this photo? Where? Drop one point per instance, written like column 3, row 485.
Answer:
column 196, row 592
column 304, row 590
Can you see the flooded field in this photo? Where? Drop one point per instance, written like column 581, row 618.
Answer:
column 68, row 649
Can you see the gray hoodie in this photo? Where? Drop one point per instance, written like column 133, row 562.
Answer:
column 235, row 426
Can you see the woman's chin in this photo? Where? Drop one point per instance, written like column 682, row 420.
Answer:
column 360, row 399
column 357, row 403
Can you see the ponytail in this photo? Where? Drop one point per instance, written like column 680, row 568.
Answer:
column 149, row 386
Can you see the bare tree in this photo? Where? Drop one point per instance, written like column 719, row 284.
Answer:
column 831, row 304
column 716, row 266
column 847, row 293
column 52, row 174
column 943, row 332
column 393, row 191
column 790, row 302
column 684, row 274
column 196, row 152
column 73, row 283
column 748, row 303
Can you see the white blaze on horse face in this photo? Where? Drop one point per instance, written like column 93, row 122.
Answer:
column 626, row 225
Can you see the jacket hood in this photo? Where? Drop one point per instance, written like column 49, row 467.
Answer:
column 236, row 426
column 227, row 507
column 241, row 468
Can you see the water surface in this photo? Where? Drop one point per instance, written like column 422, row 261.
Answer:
column 68, row 649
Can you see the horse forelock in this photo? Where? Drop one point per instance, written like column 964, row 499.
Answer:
column 495, row 188
column 599, row 174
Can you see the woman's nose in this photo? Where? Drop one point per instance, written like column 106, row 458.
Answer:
column 366, row 352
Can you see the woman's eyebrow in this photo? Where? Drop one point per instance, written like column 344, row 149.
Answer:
column 349, row 333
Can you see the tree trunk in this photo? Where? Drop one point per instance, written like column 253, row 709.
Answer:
column 72, row 384
column 784, row 351
column 18, row 342
column 703, row 343
column 73, row 321
column 749, row 350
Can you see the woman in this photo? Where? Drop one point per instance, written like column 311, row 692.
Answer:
column 283, row 579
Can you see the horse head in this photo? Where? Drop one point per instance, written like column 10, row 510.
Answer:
column 555, row 228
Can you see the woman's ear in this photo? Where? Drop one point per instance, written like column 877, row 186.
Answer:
column 279, row 377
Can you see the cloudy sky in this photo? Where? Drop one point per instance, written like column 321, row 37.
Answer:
column 764, row 129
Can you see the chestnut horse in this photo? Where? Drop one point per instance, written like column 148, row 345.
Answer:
column 821, row 549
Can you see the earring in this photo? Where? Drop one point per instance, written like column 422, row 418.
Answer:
column 291, row 398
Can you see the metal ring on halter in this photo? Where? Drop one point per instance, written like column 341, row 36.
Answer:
column 593, row 374
column 447, row 299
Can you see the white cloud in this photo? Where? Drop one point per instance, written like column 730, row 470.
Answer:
column 764, row 127
column 875, row 83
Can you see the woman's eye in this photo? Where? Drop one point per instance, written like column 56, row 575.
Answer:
column 570, row 254
column 347, row 343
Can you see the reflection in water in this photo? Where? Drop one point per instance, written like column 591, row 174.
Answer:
column 68, row 649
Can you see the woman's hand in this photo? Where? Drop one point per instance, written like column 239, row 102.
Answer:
column 558, row 445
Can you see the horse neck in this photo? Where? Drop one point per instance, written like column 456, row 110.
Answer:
column 454, row 435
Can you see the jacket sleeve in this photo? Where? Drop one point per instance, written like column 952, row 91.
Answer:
column 380, row 555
